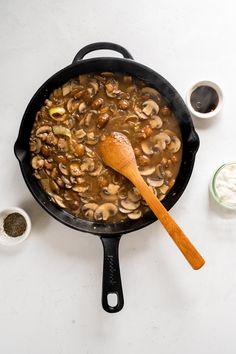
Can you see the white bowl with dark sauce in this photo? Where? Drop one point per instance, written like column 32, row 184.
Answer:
column 204, row 99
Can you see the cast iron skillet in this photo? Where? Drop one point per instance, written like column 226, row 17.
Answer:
column 110, row 234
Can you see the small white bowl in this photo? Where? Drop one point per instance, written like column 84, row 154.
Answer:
column 7, row 240
column 209, row 114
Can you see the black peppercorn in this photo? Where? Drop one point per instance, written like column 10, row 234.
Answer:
column 14, row 225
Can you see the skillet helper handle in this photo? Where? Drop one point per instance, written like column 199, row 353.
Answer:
column 111, row 284
column 102, row 45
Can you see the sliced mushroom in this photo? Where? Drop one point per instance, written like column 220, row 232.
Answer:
column 66, row 181
column 134, row 195
column 97, row 171
column 160, row 171
column 155, row 122
column 147, row 171
column 108, row 197
column 57, row 113
column 54, row 186
column 82, row 107
column 62, row 144
column 155, row 182
column 111, row 189
column 37, row 162
column 35, row 145
column 149, row 107
column 91, row 139
column 131, row 118
column 87, row 165
column 80, row 134
column 60, row 130
column 80, row 180
column 89, row 152
column 48, row 103
column 161, row 140
column 128, row 204
column 146, row 146
column 121, row 193
column 136, row 214
column 63, row 169
column 168, row 174
column 75, row 170
column 112, row 88
column 89, row 214
column 86, row 199
column 46, row 185
column 80, row 189
column 89, row 209
column 37, row 174
column 95, row 86
column 92, row 206
column 124, row 211
column 42, row 130
column 151, row 92
column 51, row 139
column 66, row 89
column 87, row 120
column 163, row 189
column 143, row 160
column 72, row 105
column 174, row 145
column 59, row 200
column 105, row 211
column 139, row 113
column 73, row 179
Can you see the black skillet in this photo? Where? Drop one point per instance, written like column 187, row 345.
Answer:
column 109, row 234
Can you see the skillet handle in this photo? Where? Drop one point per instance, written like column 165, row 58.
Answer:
column 101, row 45
column 111, row 284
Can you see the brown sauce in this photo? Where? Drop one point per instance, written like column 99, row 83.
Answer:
column 64, row 145
column 204, row 99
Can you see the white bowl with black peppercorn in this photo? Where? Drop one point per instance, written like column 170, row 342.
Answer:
column 15, row 226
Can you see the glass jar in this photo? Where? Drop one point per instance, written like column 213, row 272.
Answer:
column 223, row 185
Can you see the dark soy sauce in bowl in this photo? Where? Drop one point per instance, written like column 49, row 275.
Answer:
column 204, row 99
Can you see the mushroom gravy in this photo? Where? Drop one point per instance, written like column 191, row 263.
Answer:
column 66, row 132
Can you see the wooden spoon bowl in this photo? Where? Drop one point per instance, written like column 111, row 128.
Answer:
column 117, row 152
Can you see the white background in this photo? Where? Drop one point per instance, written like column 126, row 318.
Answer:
column 50, row 286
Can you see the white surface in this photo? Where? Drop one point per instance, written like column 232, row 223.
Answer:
column 51, row 284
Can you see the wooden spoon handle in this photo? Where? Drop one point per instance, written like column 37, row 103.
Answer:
column 183, row 243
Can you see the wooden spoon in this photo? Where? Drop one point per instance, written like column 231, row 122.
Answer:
column 117, row 152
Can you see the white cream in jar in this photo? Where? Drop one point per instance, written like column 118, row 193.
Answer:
column 224, row 185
